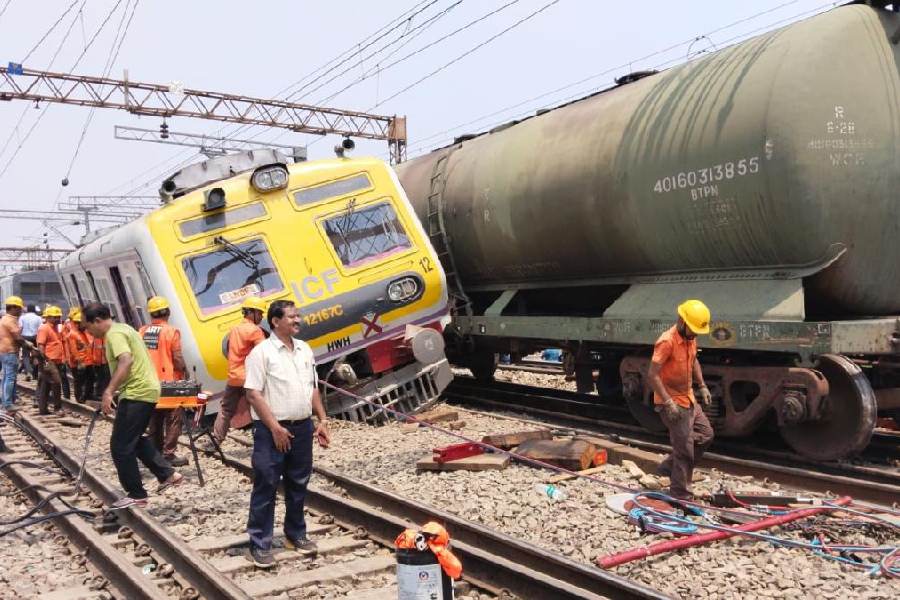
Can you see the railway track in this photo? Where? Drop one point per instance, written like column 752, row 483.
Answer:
column 493, row 562
column 590, row 415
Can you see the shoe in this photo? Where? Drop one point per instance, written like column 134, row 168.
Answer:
column 302, row 545
column 174, row 480
column 261, row 558
column 176, row 461
column 128, row 502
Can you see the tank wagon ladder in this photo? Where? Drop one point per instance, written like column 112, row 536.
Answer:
column 437, row 233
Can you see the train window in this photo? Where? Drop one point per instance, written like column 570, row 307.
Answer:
column 332, row 189
column 219, row 220
column 31, row 288
column 52, row 288
column 360, row 235
column 231, row 272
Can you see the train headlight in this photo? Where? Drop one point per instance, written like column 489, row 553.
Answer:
column 403, row 289
column 272, row 177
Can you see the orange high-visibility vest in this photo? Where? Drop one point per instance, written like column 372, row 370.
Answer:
column 162, row 340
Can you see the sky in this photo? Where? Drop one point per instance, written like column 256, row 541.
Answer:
column 527, row 55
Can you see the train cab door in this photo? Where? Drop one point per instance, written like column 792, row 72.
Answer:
column 122, row 295
column 135, row 290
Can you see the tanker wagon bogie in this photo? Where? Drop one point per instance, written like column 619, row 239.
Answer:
column 760, row 179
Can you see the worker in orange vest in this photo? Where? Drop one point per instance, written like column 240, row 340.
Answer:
column 80, row 359
column 64, row 330
column 242, row 338
column 164, row 346
column 674, row 369
column 49, row 342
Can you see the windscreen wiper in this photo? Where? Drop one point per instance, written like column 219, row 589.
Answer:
column 242, row 255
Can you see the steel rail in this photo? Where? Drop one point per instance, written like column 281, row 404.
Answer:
column 109, row 562
column 186, row 561
column 863, row 483
column 492, row 560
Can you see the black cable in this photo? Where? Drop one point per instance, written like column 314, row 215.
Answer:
column 48, row 517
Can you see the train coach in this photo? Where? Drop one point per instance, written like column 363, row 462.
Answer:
column 338, row 237
column 761, row 178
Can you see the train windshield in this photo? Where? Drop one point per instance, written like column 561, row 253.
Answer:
column 362, row 235
column 233, row 271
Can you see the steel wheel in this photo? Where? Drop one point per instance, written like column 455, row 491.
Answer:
column 849, row 417
column 643, row 412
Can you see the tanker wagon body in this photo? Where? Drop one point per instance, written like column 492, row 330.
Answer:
column 762, row 179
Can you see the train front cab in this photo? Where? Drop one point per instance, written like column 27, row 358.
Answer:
column 342, row 241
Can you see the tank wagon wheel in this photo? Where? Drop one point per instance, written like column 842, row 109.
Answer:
column 848, row 414
column 642, row 411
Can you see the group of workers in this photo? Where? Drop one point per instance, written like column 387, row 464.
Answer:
column 275, row 374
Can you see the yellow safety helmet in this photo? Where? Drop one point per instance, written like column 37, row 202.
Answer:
column 254, row 303
column 14, row 301
column 76, row 316
column 73, row 310
column 695, row 315
column 156, row 304
column 53, row 311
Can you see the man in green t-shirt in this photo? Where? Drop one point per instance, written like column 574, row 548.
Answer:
column 134, row 377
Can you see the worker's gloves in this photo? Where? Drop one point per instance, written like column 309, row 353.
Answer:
column 705, row 396
column 671, row 411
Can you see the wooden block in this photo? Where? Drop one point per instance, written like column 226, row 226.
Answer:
column 480, row 462
column 567, row 476
column 575, row 455
column 616, row 453
column 438, row 415
column 510, row 440
column 409, row 427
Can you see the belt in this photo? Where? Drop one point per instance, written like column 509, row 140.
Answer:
column 290, row 422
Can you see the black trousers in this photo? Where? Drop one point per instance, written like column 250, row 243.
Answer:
column 26, row 366
column 101, row 380
column 128, row 444
column 84, row 383
column 64, row 379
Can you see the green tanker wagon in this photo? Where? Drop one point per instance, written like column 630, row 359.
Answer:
column 763, row 179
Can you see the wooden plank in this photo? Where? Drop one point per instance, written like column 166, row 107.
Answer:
column 480, row 462
column 510, row 440
column 575, row 455
column 567, row 476
column 223, row 542
column 270, row 586
column 233, row 564
column 438, row 415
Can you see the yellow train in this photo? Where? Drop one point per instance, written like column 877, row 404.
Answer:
column 339, row 237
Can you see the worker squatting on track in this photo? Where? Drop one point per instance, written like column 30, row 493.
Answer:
column 673, row 370
column 281, row 385
column 134, row 377
column 163, row 342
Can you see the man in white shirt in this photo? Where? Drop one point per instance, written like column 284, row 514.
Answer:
column 30, row 323
column 282, row 391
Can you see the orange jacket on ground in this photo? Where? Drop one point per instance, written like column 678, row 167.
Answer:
column 676, row 355
column 162, row 341
column 241, row 340
column 51, row 341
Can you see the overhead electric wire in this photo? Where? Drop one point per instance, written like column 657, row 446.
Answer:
column 469, row 51
column 110, row 61
column 74, row 66
column 420, row 145
column 49, row 31
column 5, row 6
column 403, row 19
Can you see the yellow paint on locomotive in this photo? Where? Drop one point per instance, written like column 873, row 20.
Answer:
column 309, row 270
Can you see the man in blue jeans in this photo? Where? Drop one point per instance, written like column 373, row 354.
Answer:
column 10, row 341
column 282, row 390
